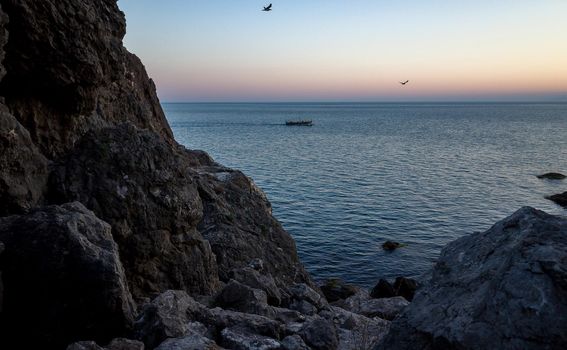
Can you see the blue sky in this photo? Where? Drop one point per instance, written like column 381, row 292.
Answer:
column 351, row 50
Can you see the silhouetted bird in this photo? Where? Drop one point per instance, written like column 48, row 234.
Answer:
column 404, row 82
column 268, row 8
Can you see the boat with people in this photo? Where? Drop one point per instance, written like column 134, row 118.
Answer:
column 299, row 123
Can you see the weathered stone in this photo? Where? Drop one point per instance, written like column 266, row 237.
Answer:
column 356, row 331
column 167, row 316
column 143, row 187
column 124, row 344
column 84, row 345
column 560, row 199
column 255, row 324
column 336, row 289
column 383, row 289
column 237, row 296
column 551, row 176
column 386, row 308
column 319, row 334
column 294, row 342
column 61, row 269
column 389, row 245
column 68, row 72
column 303, row 306
column 190, row 342
column 236, row 338
column 302, row 291
column 501, row 289
column 405, row 287
column 254, row 279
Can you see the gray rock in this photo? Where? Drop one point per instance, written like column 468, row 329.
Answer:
column 294, row 342
column 236, row 338
column 405, row 287
column 254, row 279
column 362, row 303
column 254, row 324
column 61, row 269
column 124, row 344
column 320, row 334
column 356, row 331
column 303, row 307
column 500, row 289
column 190, row 342
column 84, row 345
column 167, row 316
column 383, row 289
column 302, row 291
column 239, row 297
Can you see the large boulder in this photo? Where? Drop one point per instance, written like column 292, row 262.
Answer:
column 63, row 280
column 143, row 187
column 505, row 288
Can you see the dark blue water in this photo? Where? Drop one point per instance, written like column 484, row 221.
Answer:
column 421, row 174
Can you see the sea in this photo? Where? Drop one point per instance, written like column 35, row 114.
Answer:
column 422, row 174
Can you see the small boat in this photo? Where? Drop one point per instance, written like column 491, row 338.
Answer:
column 299, row 123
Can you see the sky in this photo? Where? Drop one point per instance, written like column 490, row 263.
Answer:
column 351, row 50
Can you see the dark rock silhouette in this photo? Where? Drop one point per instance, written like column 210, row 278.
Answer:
column 551, row 176
column 560, row 199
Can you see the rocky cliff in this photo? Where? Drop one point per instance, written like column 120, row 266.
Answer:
column 80, row 122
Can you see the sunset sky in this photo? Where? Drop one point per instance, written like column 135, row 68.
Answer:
column 355, row 50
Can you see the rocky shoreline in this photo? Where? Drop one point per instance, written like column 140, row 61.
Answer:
column 114, row 236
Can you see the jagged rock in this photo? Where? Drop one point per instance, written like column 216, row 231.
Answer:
column 256, row 264
column 68, row 72
column 68, row 254
column 124, row 344
column 237, row 213
column 560, row 199
column 167, row 316
column 390, row 245
column 386, row 308
column 190, row 342
column 356, row 331
column 405, row 287
column 255, row 324
column 319, row 334
column 236, row 338
column 254, row 279
column 336, row 289
column 383, row 289
column 237, row 296
column 143, row 187
column 500, row 289
column 294, row 342
column 302, row 292
column 303, row 307
column 551, row 176
column 84, row 345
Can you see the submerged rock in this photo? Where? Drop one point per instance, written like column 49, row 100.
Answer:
column 335, row 289
column 61, row 269
column 551, row 176
column 389, row 245
column 560, row 199
column 500, row 289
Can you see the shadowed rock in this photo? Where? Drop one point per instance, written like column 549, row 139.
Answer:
column 61, row 269
column 560, row 199
column 335, row 289
column 551, row 176
column 501, row 289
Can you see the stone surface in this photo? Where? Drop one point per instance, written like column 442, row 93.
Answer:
column 356, row 331
column 383, row 289
column 84, row 345
column 551, row 176
column 236, row 338
column 68, row 72
column 236, row 296
column 336, row 289
column 255, row 279
column 303, row 292
column 61, row 269
column 386, row 308
column 124, row 344
column 505, row 288
column 405, row 287
column 320, row 334
column 560, row 199
column 294, row 342
column 190, row 342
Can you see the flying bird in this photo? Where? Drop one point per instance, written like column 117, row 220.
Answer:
column 404, row 82
column 267, row 8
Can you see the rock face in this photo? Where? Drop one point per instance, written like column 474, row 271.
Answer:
column 505, row 288
column 80, row 122
column 62, row 277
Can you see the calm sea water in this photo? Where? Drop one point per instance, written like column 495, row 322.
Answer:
column 420, row 174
